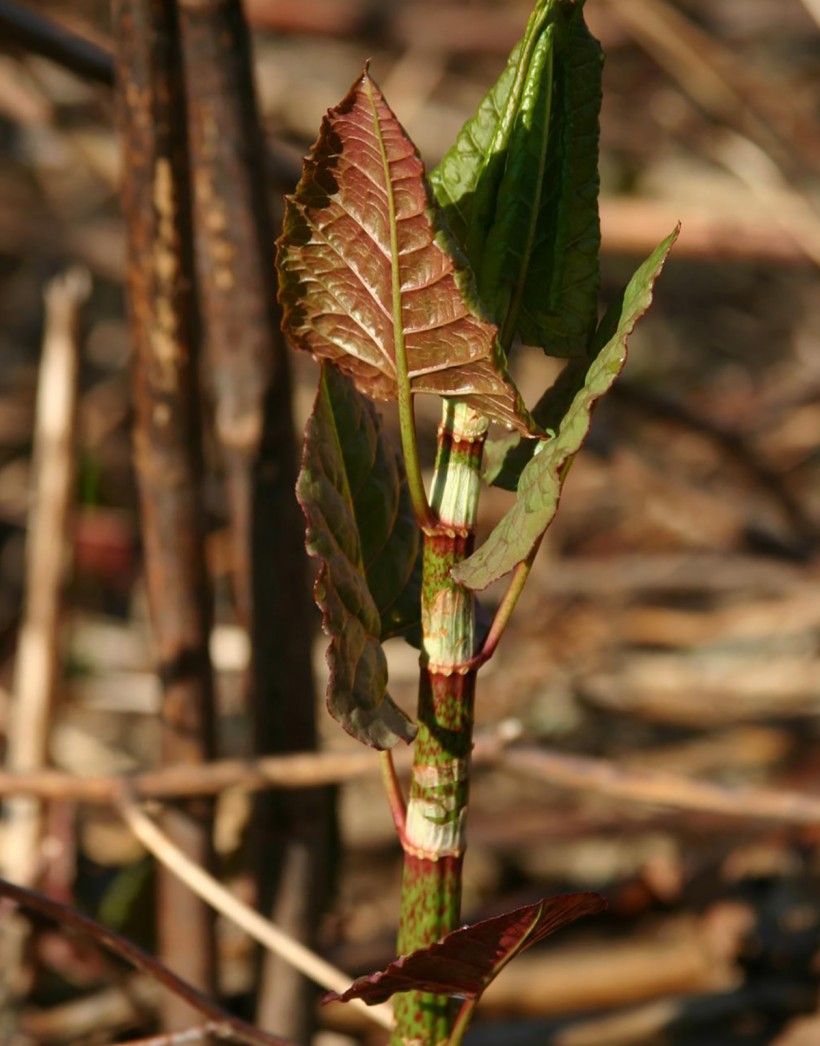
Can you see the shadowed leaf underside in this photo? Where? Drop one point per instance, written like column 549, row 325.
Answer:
column 540, row 483
column 465, row 961
column 367, row 273
column 361, row 529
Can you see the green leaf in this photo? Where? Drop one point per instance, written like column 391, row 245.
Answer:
column 506, row 456
column 541, row 480
column 519, row 187
column 466, row 180
column 369, row 277
column 361, row 528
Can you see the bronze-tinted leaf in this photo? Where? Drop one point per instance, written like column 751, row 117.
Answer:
column 366, row 268
column 361, row 528
column 466, row 961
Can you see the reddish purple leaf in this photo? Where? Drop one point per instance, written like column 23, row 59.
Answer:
column 367, row 271
column 466, row 961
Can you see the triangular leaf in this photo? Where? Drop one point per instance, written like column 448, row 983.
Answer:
column 539, row 487
column 465, row 961
column 519, row 186
column 361, row 528
column 366, row 269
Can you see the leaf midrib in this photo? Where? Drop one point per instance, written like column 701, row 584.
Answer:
column 402, row 374
column 505, row 116
column 346, row 491
column 511, row 319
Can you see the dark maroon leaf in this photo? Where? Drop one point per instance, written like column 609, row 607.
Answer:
column 466, row 961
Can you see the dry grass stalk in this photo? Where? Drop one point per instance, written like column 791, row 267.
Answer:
column 616, row 781
column 204, row 885
column 605, row 778
column 36, row 669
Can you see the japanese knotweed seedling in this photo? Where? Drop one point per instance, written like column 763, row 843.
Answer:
column 403, row 283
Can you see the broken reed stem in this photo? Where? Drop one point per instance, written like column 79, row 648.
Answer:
column 163, row 327
column 215, row 894
column 250, row 382
column 436, row 811
column 140, row 960
column 36, row 664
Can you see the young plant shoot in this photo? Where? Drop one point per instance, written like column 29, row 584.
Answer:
column 402, row 283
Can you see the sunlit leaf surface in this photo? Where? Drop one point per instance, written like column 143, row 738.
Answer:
column 366, row 269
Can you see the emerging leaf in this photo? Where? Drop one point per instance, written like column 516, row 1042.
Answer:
column 361, row 528
column 519, row 186
column 539, row 487
column 366, row 271
column 466, row 961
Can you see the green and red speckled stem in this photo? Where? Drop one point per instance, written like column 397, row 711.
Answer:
column 437, row 806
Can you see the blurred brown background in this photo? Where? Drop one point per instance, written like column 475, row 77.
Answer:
column 672, row 622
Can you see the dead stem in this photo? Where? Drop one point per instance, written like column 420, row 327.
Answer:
column 213, row 893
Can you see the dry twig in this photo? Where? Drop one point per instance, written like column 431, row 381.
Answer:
column 631, row 224
column 306, row 770
column 140, row 960
column 605, row 778
column 36, row 666
column 204, row 885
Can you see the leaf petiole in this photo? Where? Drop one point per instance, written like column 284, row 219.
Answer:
column 409, row 446
column 462, row 1022
column 510, row 598
column 407, row 422
column 506, row 607
column 395, row 796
